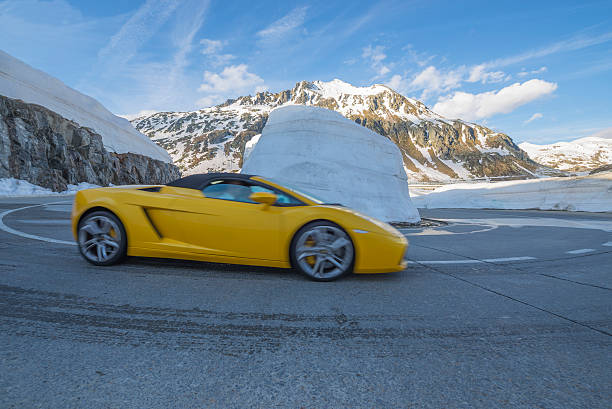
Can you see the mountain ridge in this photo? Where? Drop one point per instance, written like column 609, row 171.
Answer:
column 433, row 147
column 580, row 155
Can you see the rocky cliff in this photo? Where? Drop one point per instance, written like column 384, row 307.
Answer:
column 433, row 147
column 43, row 148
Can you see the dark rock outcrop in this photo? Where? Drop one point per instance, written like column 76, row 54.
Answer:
column 43, row 148
column 601, row 169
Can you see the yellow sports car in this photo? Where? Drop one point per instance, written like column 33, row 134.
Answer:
column 233, row 218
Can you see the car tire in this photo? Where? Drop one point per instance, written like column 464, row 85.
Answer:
column 101, row 238
column 322, row 251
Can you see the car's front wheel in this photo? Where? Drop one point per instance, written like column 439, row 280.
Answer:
column 101, row 238
column 323, row 251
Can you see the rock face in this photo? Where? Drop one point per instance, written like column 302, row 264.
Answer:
column 322, row 153
column 43, row 148
column 432, row 147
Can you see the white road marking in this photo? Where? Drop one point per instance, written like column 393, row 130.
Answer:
column 486, row 260
column 430, row 232
column 436, row 231
column 59, row 207
column 580, row 251
column 26, row 235
column 539, row 222
column 608, row 244
column 46, row 221
column 501, row 260
column 444, row 261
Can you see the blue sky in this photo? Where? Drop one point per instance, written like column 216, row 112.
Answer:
column 539, row 71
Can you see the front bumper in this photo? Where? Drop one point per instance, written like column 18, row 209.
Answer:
column 378, row 254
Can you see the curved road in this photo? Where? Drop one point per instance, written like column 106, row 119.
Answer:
column 496, row 309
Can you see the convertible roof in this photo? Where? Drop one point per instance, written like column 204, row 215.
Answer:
column 199, row 181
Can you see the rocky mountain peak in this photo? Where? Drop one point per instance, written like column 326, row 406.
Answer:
column 580, row 155
column 433, row 147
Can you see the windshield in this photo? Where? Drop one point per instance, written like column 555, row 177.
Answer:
column 298, row 191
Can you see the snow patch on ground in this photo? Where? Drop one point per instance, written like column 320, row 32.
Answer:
column 15, row 187
column 458, row 168
column 499, row 151
column 20, row 81
column 587, row 193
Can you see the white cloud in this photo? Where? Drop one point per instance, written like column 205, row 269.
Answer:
column 231, row 78
column 209, row 100
column 190, row 21
column 396, row 82
column 54, row 36
column 233, row 81
column 533, row 117
column 432, row 81
column 144, row 112
column 383, row 70
column 572, row 44
column 376, row 56
column 478, row 73
column 525, row 73
column 604, row 133
column 212, row 48
column 422, row 59
column 137, row 30
column 283, row 26
column 222, row 59
column 133, row 81
column 476, row 106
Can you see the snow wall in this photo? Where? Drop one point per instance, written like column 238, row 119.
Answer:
column 321, row 152
column 591, row 193
column 20, row 81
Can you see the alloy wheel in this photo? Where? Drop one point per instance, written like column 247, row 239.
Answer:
column 324, row 252
column 100, row 238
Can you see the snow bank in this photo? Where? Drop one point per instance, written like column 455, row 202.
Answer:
column 20, row 81
column 16, row 187
column 588, row 193
column 321, row 152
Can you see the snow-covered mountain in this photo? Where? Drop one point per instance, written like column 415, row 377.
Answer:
column 580, row 155
column 433, row 147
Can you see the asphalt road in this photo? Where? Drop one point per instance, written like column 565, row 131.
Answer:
column 497, row 309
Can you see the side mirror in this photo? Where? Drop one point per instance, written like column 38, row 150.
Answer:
column 265, row 198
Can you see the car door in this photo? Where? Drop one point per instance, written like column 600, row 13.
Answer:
column 225, row 222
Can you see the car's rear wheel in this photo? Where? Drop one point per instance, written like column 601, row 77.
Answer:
column 323, row 251
column 101, row 238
